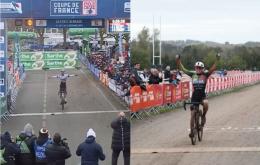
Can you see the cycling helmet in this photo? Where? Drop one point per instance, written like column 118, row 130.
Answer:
column 62, row 70
column 199, row 64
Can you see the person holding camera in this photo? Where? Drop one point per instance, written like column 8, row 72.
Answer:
column 121, row 138
column 58, row 151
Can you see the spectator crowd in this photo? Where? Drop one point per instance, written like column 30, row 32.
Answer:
column 29, row 149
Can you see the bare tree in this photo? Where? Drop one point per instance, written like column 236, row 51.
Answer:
column 40, row 32
column 64, row 31
column 102, row 33
column 126, row 37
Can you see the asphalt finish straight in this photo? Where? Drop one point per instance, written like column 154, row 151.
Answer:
column 231, row 134
column 90, row 105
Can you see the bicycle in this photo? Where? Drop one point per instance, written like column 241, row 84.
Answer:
column 63, row 101
column 198, row 128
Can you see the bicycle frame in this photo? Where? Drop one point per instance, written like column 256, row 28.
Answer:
column 197, row 129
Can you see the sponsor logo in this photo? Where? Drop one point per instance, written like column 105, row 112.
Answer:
column 2, row 82
column 89, row 7
column 2, row 68
column 12, row 7
column 127, row 7
column 2, row 54
column 2, row 39
column 41, row 23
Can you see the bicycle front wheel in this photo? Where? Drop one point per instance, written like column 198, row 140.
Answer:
column 199, row 126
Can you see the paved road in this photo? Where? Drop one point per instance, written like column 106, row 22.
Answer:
column 89, row 103
column 231, row 136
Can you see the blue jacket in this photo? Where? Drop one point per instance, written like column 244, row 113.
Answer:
column 90, row 152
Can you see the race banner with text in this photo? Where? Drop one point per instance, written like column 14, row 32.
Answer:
column 51, row 60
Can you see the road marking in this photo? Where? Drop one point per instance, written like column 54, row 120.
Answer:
column 194, row 150
column 44, row 117
column 65, row 113
column 99, row 90
column 230, row 129
column 248, row 128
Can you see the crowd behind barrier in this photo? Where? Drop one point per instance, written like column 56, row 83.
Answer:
column 104, row 78
column 15, row 81
column 169, row 94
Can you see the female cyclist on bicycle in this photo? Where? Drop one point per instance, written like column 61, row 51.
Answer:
column 199, row 81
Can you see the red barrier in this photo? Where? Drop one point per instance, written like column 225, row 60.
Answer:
column 157, row 92
column 176, row 90
column 167, row 93
column 157, row 95
column 135, row 99
column 185, row 90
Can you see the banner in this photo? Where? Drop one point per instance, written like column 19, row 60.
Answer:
column 52, row 60
column 65, row 9
column 3, row 58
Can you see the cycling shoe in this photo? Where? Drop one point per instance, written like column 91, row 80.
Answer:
column 203, row 121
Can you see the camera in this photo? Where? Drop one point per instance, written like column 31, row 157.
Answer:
column 63, row 142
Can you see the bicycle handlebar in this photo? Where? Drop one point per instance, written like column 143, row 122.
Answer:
column 185, row 103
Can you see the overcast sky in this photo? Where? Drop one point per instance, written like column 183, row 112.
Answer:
column 236, row 21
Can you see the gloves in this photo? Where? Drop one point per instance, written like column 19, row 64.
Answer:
column 218, row 56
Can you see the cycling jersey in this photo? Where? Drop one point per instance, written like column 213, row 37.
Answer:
column 63, row 78
column 199, row 82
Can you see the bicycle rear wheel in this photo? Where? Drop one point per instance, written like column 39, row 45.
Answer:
column 62, row 103
column 199, row 125
column 194, row 138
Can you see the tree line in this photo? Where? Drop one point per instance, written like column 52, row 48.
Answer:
column 242, row 57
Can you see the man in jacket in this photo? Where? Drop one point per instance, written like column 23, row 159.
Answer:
column 90, row 151
column 121, row 139
column 11, row 150
column 58, row 151
column 25, row 141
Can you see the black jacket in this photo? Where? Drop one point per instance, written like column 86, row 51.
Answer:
column 90, row 152
column 138, row 79
column 57, row 153
column 121, row 134
column 167, row 74
column 11, row 149
column 154, row 79
column 26, row 158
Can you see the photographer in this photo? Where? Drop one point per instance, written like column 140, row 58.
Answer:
column 58, row 151
column 121, row 138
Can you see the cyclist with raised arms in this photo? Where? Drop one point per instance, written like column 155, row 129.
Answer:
column 199, row 80
column 63, row 78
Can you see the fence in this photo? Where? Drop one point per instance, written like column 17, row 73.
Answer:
column 8, row 103
column 103, row 77
column 157, row 96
